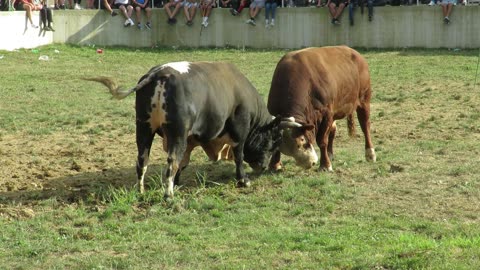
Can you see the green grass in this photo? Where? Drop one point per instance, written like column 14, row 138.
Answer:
column 67, row 174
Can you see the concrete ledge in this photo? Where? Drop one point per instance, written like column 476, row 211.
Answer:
column 392, row 27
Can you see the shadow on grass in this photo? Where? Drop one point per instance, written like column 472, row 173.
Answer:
column 83, row 187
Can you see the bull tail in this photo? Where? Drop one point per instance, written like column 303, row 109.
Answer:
column 116, row 90
column 351, row 125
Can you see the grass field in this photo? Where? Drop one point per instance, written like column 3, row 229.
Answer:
column 67, row 170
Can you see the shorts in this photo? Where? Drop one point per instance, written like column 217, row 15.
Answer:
column 135, row 5
column 446, row 2
column 338, row 2
column 117, row 6
column 188, row 4
column 257, row 3
column 208, row 3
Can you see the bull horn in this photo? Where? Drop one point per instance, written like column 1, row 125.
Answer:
column 289, row 124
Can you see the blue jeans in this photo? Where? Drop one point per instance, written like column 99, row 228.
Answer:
column 270, row 9
column 354, row 3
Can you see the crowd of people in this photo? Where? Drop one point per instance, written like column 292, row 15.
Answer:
column 172, row 7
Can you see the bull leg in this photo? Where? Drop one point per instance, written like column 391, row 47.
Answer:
column 176, row 145
column 275, row 163
column 144, row 143
column 331, row 137
column 363, row 115
column 322, row 141
column 242, row 178
column 191, row 144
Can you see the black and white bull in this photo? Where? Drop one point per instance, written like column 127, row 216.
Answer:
column 207, row 104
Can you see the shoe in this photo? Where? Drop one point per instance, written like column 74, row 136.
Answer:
column 272, row 23
column 370, row 18
column 431, row 3
column 251, row 22
column 139, row 26
column 446, row 20
column 77, row 6
column 148, row 25
column 205, row 24
column 34, row 26
column 335, row 22
column 114, row 13
column 56, row 7
column 63, row 7
column 131, row 22
column 51, row 28
column 234, row 12
column 189, row 23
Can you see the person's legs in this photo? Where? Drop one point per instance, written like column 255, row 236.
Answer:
column 332, row 9
column 138, row 14
column 268, row 8
column 339, row 10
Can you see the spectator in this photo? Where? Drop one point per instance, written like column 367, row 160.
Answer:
column 139, row 5
column 270, row 8
column 206, row 7
column 241, row 6
column 447, row 6
column 354, row 3
column 225, row 3
column 74, row 4
column 107, row 5
column 336, row 8
column 176, row 4
column 190, row 9
column 255, row 8
column 29, row 6
column 126, row 10
column 46, row 15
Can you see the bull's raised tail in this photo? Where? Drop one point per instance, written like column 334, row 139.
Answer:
column 116, row 91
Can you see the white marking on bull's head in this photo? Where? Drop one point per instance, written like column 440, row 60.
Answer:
column 181, row 67
column 157, row 103
column 297, row 145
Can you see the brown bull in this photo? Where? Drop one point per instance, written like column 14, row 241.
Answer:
column 317, row 86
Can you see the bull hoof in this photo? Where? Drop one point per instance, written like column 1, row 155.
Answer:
column 276, row 168
column 168, row 196
column 243, row 183
column 326, row 169
column 370, row 155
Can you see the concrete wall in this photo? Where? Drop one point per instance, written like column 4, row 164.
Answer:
column 392, row 27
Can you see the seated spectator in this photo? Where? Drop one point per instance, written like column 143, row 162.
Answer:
column 46, row 16
column 107, row 5
column 225, row 3
column 90, row 4
column 29, row 6
column 336, row 8
column 139, row 5
column 241, row 6
column 206, row 7
column 270, row 8
column 354, row 3
column 126, row 10
column 190, row 9
column 254, row 9
column 447, row 6
column 176, row 4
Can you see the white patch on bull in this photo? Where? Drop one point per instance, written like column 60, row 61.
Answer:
column 181, row 67
column 157, row 103
column 370, row 155
column 144, row 170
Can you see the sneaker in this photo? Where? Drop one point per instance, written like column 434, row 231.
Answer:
column 205, row 24
column 148, row 25
column 131, row 22
column 77, row 6
column 234, row 12
column 335, row 22
column 446, row 20
column 63, row 7
column 126, row 23
column 189, row 23
column 272, row 23
column 114, row 13
column 431, row 3
column 251, row 22
column 139, row 26
column 34, row 26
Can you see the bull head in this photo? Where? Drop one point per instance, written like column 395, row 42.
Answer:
column 298, row 142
